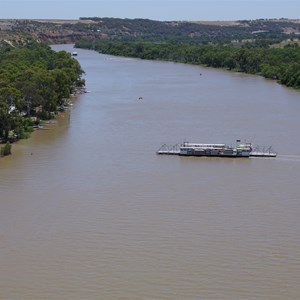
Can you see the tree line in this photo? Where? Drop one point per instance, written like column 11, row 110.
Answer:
column 281, row 64
column 35, row 82
column 192, row 32
column 273, row 30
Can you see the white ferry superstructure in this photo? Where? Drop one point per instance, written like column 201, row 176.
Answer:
column 196, row 149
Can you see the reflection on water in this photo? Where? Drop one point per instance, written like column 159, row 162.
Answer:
column 89, row 211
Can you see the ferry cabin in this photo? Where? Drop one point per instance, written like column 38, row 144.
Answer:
column 195, row 149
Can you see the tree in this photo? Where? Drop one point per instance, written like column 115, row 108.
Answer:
column 33, row 79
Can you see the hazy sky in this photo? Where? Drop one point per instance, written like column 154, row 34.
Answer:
column 154, row 9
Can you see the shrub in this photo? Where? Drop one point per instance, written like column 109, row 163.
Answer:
column 6, row 150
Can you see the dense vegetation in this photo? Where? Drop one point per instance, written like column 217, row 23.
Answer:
column 35, row 82
column 282, row 64
column 69, row 31
column 192, row 32
column 245, row 45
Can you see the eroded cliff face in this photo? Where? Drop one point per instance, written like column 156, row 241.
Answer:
column 47, row 31
column 65, row 36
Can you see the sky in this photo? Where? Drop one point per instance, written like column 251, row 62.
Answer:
column 162, row 10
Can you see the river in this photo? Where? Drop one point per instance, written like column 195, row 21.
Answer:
column 89, row 211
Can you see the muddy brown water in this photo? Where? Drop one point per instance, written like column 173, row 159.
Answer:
column 89, row 211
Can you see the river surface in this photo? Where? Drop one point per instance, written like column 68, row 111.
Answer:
column 89, row 211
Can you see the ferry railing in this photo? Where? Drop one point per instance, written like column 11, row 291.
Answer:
column 169, row 149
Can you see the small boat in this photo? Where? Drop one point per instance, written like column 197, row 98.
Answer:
column 37, row 126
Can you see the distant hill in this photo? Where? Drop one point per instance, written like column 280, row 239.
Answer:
column 203, row 32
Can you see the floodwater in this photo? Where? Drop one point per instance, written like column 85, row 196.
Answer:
column 89, row 211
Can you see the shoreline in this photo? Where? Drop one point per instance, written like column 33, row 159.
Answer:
column 47, row 125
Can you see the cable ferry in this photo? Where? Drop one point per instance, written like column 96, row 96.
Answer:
column 195, row 149
column 221, row 150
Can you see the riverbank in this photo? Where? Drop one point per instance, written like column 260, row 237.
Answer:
column 279, row 64
column 37, row 82
column 61, row 117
